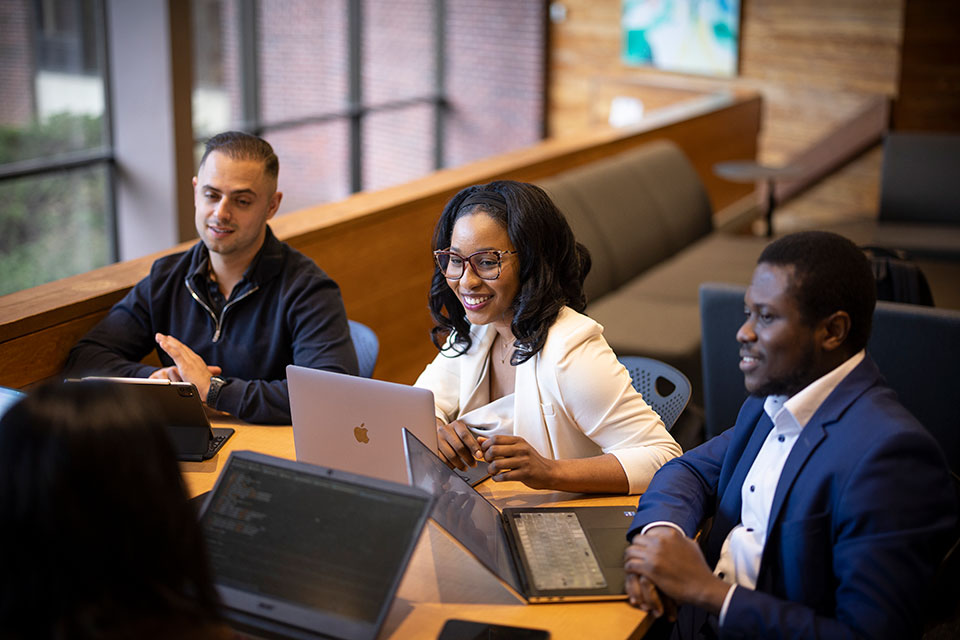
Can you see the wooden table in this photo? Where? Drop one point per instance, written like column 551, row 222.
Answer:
column 442, row 580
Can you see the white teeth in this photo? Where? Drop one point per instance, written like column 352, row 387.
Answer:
column 748, row 358
column 473, row 301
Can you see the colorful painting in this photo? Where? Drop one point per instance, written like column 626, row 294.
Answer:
column 686, row 36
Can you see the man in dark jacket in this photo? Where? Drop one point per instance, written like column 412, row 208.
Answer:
column 229, row 314
column 831, row 504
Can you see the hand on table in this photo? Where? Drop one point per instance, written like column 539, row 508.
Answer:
column 513, row 458
column 188, row 366
column 674, row 565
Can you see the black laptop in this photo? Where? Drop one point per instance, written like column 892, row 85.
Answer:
column 542, row 554
column 303, row 551
column 8, row 398
column 181, row 410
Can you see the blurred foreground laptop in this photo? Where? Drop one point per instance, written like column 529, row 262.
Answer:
column 300, row 551
column 8, row 398
column 542, row 554
column 180, row 408
column 352, row 423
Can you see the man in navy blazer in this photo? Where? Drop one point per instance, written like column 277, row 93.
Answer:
column 831, row 504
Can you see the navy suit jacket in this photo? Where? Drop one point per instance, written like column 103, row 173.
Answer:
column 862, row 514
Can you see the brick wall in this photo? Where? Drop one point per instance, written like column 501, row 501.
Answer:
column 494, row 79
column 16, row 63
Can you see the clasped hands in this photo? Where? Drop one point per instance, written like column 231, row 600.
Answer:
column 187, row 367
column 666, row 568
column 507, row 457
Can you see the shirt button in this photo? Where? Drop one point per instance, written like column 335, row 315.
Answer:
column 749, row 529
column 752, row 488
column 781, row 438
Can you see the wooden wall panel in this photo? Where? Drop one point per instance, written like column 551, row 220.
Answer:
column 929, row 91
column 815, row 62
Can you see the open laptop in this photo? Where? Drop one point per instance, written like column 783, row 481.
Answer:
column 300, row 551
column 542, row 554
column 352, row 423
column 181, row 410
column 8, row 398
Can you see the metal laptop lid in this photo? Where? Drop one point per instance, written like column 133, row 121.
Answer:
column 306, row 551
column 352, row 423
column 462, row 512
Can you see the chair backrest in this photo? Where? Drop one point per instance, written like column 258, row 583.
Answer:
column 915, row 348
column 366, row 345
column 899, row 279
column 721, row 314
column 664, row 387
column 919, row 178
column 632, row 210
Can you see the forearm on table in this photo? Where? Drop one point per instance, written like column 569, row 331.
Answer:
column 598, row 474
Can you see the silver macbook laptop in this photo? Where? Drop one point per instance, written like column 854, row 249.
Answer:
column 541, row 554
column 352, row 423
column 300, row 551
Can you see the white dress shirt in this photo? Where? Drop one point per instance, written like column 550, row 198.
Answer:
column 740, row 555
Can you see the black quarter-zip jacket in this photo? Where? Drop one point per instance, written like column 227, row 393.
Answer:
column 285, row 310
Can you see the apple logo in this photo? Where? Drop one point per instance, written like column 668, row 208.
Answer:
column 360, row 433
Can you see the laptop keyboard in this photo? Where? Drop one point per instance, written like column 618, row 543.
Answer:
column 558, row 552
column 216, row 440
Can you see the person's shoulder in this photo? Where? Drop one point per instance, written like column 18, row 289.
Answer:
column 176, row 263
column 299, row 266
column 568, row 332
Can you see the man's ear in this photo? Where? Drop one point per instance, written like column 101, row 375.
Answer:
column 274, row 204
column 835, row 329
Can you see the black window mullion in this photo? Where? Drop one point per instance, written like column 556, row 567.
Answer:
column 355, row 91
column 439, row 82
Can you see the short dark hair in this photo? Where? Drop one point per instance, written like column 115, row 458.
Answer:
column 830, row 274
column 239, row 145
column 553, row 264
column 97, row 534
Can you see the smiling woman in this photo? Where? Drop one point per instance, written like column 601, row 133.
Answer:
column 524, row 382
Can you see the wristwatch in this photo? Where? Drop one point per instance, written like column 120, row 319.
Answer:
column 216, row 383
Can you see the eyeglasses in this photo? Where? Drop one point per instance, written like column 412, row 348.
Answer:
column 486, row 264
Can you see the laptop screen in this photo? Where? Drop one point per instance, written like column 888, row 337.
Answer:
column 332, row 548
column 8, row 398
column 463, row 512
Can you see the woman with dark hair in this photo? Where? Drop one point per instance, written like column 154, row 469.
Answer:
column 524, row 382
column 97, row 538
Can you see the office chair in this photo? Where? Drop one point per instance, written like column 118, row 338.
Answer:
column 366, row 345
column 721, row 314
column 665, row 388
column 919, row 182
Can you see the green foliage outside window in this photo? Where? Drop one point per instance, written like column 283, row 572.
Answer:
column 56, row 224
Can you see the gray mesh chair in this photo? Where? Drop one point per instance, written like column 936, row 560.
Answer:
column 665, row 388
column 366, row 345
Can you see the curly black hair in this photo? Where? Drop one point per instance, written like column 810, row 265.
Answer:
column 553, row 265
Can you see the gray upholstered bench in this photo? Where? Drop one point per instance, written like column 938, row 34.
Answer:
column 646, row 219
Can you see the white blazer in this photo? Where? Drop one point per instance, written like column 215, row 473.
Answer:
column 573, row 399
